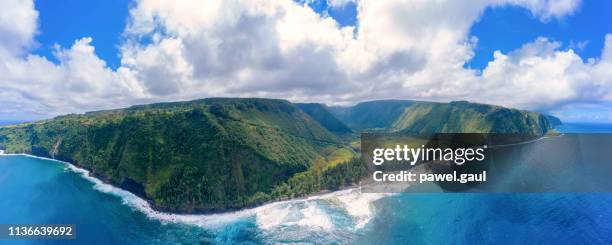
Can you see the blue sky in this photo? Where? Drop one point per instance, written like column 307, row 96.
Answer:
column 508, row 28
column 345, row 15
column 502, row 28
column 99, row 54
column 62, row 22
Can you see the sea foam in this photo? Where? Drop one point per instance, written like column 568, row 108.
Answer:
column 307, row 212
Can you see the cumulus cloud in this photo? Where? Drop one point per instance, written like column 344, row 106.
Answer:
column 18, row 23
column 176, row 50
column 80, row 82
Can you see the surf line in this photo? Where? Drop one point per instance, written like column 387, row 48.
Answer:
column 200, row 220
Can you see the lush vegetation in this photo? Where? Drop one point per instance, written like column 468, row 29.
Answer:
column 224, row 153
column 455, row 117
column 379, row 114
column 320, row 113
column 553, row 121
column 211, row 154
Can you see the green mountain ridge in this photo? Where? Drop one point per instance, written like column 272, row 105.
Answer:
column 420, row 117
column 371, row 114
column 322, row 114
column 210, row 154
column 221, row 154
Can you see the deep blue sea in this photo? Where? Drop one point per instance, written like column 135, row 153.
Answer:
column 585, row 128
column 42, row 191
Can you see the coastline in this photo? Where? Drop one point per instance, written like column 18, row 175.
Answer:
column 95, row 178
column 543, row 137
column 121, row 192
column 357, row 204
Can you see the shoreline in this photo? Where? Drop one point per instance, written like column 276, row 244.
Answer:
column 87, row 174
column 315, row 195
column 543, row 137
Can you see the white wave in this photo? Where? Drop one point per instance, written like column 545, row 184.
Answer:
column 301, row 212
column 133, row 201
column 31, row 156
column 273, row 216
column 309, row 212
column 313, row 216
column 359, row 206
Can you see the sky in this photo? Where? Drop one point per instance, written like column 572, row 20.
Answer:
column 70, row 56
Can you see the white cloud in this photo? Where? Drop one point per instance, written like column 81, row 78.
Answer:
column 546, row 9
column 339, row 3
column 542, row 75
column 80, row 82
column 536, row 74
column 282, row 49
column 243, row 48
column 17, row 26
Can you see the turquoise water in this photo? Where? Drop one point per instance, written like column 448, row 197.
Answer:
column 36, row 191
column 585, row 128
column 41, row 191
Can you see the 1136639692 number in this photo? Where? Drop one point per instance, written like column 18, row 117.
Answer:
column 37, row 231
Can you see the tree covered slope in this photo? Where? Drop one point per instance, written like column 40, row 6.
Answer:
column 210, row 154
column 227, row 153
column 379, row 114
column 454, row 117
column 320, row 113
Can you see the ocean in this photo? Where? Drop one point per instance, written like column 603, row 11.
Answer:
column 41, row 191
